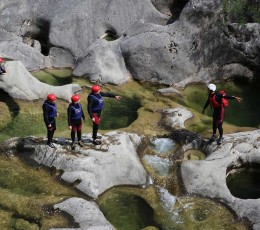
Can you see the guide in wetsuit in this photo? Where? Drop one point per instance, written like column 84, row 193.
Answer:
column 215, row 100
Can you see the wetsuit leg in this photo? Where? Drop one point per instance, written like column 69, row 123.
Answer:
column 79, row 127
column 95, row 131
column 214, row 127
column 73, row 133
column 50, row 131
column 220, row 129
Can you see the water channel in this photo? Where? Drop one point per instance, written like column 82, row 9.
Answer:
column 159, row 205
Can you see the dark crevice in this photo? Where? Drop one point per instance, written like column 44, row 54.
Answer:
column 111, row 35
column 176, row 9
column 40, row 32
column 11, row 104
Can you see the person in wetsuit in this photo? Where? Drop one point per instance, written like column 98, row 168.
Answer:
column 49, row 114
column 95, row 107
column 2, row 68
column 75, row 117
column 216, row 103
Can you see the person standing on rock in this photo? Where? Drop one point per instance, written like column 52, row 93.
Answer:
column 95, row 107
column 2, row 68
column 75, row 117
column 49, row 114
column 218, row 102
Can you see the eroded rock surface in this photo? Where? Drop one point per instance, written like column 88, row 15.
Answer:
column 20, row 84
column 93, row 169
column 208, row 177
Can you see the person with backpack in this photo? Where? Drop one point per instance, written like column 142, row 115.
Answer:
column 75, row 118
column 95, row 107
column 218, row 102
column 49, row 114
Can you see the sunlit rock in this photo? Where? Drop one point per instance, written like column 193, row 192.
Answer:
column 20, row 84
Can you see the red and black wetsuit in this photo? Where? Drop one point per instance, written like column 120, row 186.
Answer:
column 95, row 106
column 215, row 101
column 49, row 114
column 75, row 116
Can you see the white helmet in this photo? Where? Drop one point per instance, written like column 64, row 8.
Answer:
column 212, row 87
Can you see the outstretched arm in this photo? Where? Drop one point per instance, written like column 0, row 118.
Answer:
column 238, row 99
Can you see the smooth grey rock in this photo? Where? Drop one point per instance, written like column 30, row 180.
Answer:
column 208, row 177
column 103, row 62
column 170, row 90
column 60, row 58
column 86, row 213
column 25, row 86
column 97, row 168
column 175, row 118
column 176, row 54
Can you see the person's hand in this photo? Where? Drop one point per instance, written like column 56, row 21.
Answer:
column 70, row 127
column 203, row 111
column 93, row 119
column 238, row 99
column 57, row 114
column 49, row 125
column 118, row 98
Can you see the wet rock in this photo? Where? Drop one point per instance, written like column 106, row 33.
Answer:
column 208, row 177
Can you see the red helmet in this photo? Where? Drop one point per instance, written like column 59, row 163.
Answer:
column 1, row 60
column 75, row 98
column 51, row 97
column 95, row 88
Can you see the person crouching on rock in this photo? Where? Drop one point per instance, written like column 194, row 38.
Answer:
column 75, row 117
column 49, row 114
column 95, row 107
column 217, row 102
column 2, row 68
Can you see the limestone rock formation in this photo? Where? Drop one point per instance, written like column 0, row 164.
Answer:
column 93, row 170
column 86, row 213
column 208, row 177
column 20, row 84
column 194, row 45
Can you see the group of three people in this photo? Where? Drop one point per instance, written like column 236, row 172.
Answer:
column 76, row 115
column 96, row 105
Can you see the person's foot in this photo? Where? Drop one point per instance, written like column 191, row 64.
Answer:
column 98, row 137
column 73, row 146
column 51, row 145
column 220, row 140
column 96, row 142
column 213, row 138
column 80, row 144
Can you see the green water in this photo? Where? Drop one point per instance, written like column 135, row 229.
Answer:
column 244, row 114
column 135, row 209
column 244, row 183
column 26, row 117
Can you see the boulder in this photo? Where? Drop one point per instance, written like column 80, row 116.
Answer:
column 93, row 170
column 86, row 213
column 20, row 84
column 208, row 177
column 103, row 62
